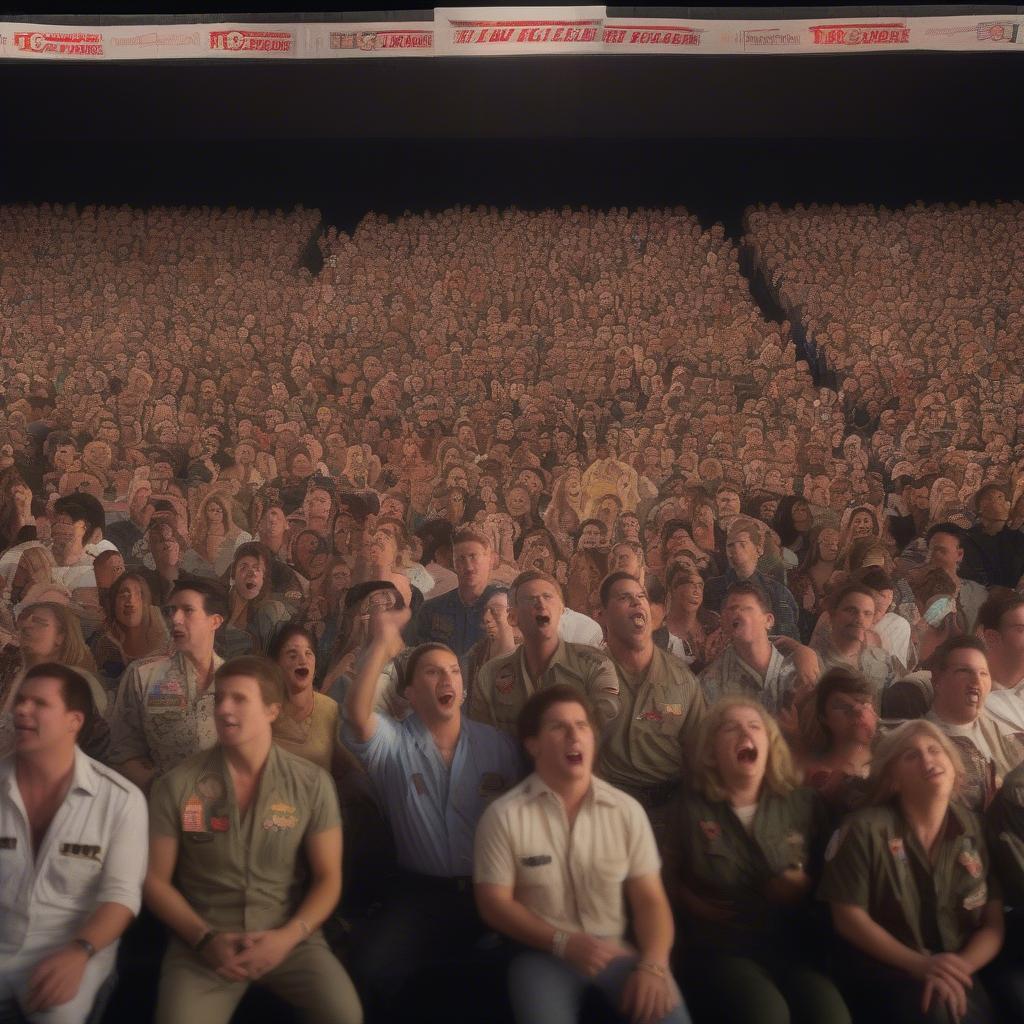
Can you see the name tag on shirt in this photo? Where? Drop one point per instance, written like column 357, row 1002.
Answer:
column 80, row 850
column 8, row 842
column 537, row 861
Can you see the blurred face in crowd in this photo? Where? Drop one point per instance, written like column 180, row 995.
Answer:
column 563, row 749
column 745, row 620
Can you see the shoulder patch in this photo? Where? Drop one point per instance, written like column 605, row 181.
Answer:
column 836, row 842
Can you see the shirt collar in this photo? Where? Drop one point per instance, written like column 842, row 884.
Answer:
column 558, row 658
column 85, row 776
column 535, row 787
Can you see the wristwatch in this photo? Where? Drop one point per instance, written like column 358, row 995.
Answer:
column 90, row 949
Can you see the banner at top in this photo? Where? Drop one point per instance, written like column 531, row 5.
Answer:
column 476, row 31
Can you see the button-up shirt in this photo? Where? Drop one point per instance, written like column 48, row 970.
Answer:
column 782, row 601
column 504, row 684
column 449, row 620
column 94, row 852
column 730, row 676
column 160, row 714
column 1007, row 707
column 880, row 668
column 433, row 810
column 572, row 877
column 243, row 871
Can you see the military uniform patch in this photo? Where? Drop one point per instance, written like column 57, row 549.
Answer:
column 712, row 830
column 897, row 849
column 971, row 863
column 977, row 899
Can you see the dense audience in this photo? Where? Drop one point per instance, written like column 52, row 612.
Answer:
column 504, row 600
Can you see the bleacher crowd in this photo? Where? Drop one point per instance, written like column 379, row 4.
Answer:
column 502, row 607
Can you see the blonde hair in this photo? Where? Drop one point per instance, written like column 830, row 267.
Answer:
column 38, row 562
column 780, row 776
column 72, row 651
column 894, row 744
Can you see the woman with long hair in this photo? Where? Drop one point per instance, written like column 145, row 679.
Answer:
column 809, row 581
column 215, row 535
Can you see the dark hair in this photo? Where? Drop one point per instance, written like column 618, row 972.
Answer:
column 215, row 598
column 987, row 489
column 255, row 549
column 670, row 527
column 744, row 588
column 532, row 712
column 874, row 577
column 940, row 659
column 409, row 672
column 836, row 599
column 81, row 505
column 950, row 528
column 284, row 634
column 74, row 690
column 999, row 602
column 839, row 680
column 529, row 576
column 609, row 581
column 266, row 673
column 591, row 522
column 782, row 521
column 105, row 556
column 656, row 592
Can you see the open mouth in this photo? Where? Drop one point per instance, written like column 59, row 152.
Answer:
column 974, row 696
column 301, row 672
column 574, row 757
column 639, row 620
column 446, row 700
column 747, row 754
column 543, row 620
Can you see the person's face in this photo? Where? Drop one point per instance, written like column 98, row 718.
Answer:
column 297, row 660
column 67, row 534
column 39, row 634
column 109, row 571
column 629, row 527
column 42, row 720
column 923, row 771
column 861, row 525
column 214, row 514
column 563, row 749
column 994, row 507
column 591, row 537
column 742, row 553
column 250, row 572
column 802, row 519
column 852, row 619
column 392, row 508
column 745, row 620
column 64, row 457
column 239, row 714
column 945, row 552
column 495, row 614
column 340, row 578
column 517, row 501
column 688, row 593
column 727, row 503
column 530, row 483
column 164, row 546
column 382, row 548
column 850, row 718
column 130, row 606
column 628, row 613
column 962, row 687
column 301, row 466
column 828, row 545
column 472, row 562
column 191, row 628
column 318, row 504
column 537, row 611
column 345, row 530
column 274, row 523
column 678, row 540
column 436, row 692
column 624, row 559
column 741, row 747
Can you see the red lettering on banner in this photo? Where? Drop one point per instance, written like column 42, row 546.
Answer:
column 859, row 35
column 63, row 44
column 247, row 41
column 464, row 35
column 614, row 35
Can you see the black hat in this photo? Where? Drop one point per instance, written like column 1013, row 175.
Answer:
column 360, row 591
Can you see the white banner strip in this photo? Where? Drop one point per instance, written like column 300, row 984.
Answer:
column 509, row 31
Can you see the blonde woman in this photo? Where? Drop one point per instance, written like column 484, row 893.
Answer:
column 215, row 536
column 740, row 863
column 907, row 879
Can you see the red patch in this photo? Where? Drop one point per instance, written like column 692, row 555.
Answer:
column 219, row 824
column 712, row 830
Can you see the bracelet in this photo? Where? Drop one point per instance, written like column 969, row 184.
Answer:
column 658, row 970
column 558, row 943
column 204, row 941
column 90, row 949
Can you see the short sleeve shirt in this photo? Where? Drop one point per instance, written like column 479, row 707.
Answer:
column 730, row 676
column 570, row 877
column 240, row 872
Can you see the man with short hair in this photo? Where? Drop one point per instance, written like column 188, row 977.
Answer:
column 727, row 505
column 556, row 861
column 852, row 614
column 995, row 553
column 961, row 683
column 163, row 712
column 72, row 855
column 128, row 534
column 543, row 659
column 661, row 704
column 70, row 527
column 744, row 546
column 1001, row 621
column 945, row 547
column 245, row 865
column 750, row 666
column 456, row 618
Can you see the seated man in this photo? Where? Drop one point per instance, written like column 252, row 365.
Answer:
column 744, row 546
column 72, row 855
column 661, row 703
column 434, row 774
column 1001, row 621
column 554, row 859
column 961, row 683
column 750, row 665
column 245, row 865
column 543, row 659
column 164, row 707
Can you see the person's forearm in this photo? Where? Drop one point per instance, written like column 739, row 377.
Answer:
column 512, row 919
column 105, row 925
column 654, row 929
column 319, row 904
column 504, row 643
column 856, row 926
column 362, row 692
column 137, row 770
column 986, row 942
column 168, row 904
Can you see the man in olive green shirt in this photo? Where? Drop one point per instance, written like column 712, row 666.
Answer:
column 232, row 831
column 661, row 703
column 505, row 684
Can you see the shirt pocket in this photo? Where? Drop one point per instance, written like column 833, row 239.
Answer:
column 671, row 717
column 74, row 878
column 539, row 881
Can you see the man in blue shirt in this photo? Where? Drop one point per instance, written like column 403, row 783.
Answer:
column 456, row 618
column 434, row 774
column 744, row 545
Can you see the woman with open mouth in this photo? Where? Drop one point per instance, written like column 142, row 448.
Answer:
column 740, row 861
column 255, row 615
column 907, row 878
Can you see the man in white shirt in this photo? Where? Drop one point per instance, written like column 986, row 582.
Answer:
column 72, row 855
column 1001, row 620
column 577, row 628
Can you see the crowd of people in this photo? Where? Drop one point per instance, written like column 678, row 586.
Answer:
column 505, row 600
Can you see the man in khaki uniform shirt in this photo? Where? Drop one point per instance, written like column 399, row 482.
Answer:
column 504, row 684
column 164, row 707
column 232, row 832
column 555, row 860
column 661, row 703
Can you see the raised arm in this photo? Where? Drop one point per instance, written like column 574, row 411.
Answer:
column 385, row 644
